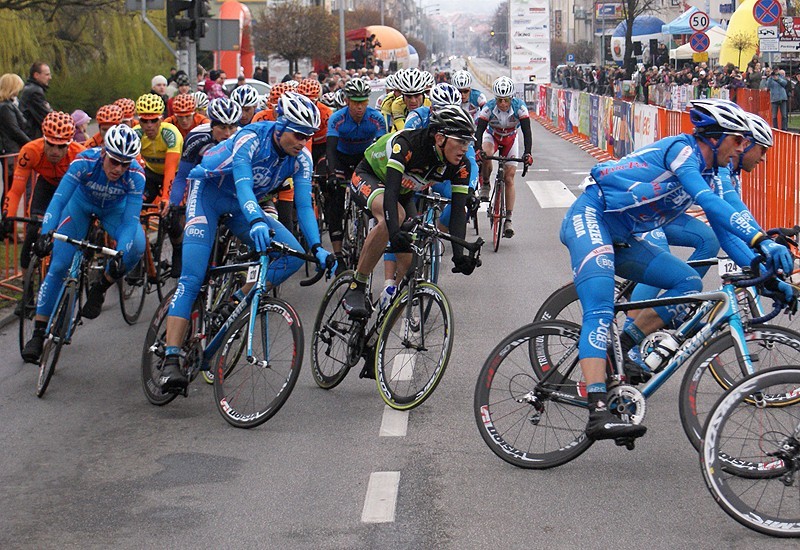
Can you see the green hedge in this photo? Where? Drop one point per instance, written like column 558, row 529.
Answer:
column 96, row 56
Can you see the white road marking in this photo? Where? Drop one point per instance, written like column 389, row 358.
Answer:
column 552, row 194
column 381, row 499
column 402, row 367
column 539, row 170
column 582, row 173
column 394, row 423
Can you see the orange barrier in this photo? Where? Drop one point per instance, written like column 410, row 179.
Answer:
column 10, row 272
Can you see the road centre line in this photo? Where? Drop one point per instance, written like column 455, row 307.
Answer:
column 551, row 193
column 394, row 423
column 381, row 499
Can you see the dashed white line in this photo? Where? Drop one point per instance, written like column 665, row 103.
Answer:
column 403, row 367
column 552, row 194
column 381, row 499
column 394, row 423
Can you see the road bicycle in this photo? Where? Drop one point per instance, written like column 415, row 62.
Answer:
column 750, row 457
column 497, row 202
column 255, row 347
column 530, row 400
column 430, row 207
column 406, row 348
column 357, row 223
column 32, row 279
column 150, row 274
column 66, row 315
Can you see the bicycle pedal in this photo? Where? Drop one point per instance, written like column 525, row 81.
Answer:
column 627, row 442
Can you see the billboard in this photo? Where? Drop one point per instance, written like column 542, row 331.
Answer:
column 529, row 41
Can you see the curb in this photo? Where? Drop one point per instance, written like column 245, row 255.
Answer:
column 7, row 320
column 594, row 151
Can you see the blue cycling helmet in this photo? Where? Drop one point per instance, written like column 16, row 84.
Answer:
column 718, row 116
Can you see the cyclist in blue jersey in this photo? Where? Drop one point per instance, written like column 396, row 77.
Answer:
column 472, row 100
column 106, row 182
column 501, row 117
column 637, row 193
column 350, row 131
column 224, row 115
column 695, row 234
column 230, row 179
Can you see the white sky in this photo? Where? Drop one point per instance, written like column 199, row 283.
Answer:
column 464, row 6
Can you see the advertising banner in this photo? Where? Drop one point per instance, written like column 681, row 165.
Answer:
column 620, row 129
column 645, row 125
column 529, row 41
column 568, row 95
column 594, row 120
column 561, row 122
column 574, row 114
column 583, row 114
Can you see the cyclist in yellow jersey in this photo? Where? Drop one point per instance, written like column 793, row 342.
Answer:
column 412, row 84
column 161, row 149
column 388, row 99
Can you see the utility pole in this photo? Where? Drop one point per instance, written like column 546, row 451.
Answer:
column 342, row 56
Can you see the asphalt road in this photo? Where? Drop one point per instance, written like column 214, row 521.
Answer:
column 94, row 465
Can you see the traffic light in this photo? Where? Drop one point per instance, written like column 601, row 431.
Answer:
column 202, row 11
column 180, row 18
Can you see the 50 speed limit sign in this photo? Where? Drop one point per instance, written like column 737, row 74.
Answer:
column 699, row 21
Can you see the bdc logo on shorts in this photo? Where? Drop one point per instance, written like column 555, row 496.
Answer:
column 605, row 262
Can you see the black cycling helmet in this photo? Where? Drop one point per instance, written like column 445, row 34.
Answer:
column 357, row 89
column 453, row 121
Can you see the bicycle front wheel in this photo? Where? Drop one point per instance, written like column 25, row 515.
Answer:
column 498, row 213
column 153, row 353
column 34, row 276
column 720, row 365
column 331, row 359
column 62, row 318
column 133, row 288
column 413, row 346
column 530, row 398
column 250, row 392
column 742, row 427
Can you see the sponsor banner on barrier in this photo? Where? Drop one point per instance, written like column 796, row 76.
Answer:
column 543, row 100
column 530, row 95
column 561, row 121
column 568, row 110
column 621, row 130
column 529, row 41
column 594, row 120
column 645, row 125
column 583, row 114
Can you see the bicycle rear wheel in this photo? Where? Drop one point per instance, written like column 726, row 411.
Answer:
column 62, row 318
column 248, row 394
column 719, row 365
column 133, row 289
column 31, row 282
column 331, row 359
column 530, row 399
column 742, row 427
column 413, row 346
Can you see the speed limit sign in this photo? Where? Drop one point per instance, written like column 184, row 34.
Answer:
column 699, row 21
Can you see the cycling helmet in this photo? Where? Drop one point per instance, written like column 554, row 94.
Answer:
column 224, row 111
column 128, row 107
column 311, row 88
column 453, row 121
column 329, row 99
column 122, row 143
column 58, row 128
column 109, row 114
column 411, row 81
column 245, row 96
column 276, row 92
column 462, row 80
column 200, row 100
column 183, row 105
column 717, row 116
column 503, row 87
column 357, row 89
column 340, row 99
column 262, row 102
column 391, row 82
column 444, row 94
column 293, row 84
column 762, row 133
column 149, row 106
column 297, row 113
column 428, row 80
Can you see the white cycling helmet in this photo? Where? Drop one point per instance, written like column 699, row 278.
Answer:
column 462, row 80
column 297, row 113
column 245, row 96
column 391, row 82
column 444, row 94
column 411, row 81
column 224, row 111
column 716, row 116
column 503, row 87
column 122, row 143
column 200, row 100
column 762, row 133
column 428, row 80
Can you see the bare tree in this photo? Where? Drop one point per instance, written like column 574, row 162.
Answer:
column 631, row 9
column 742, row 41
column 293, row 31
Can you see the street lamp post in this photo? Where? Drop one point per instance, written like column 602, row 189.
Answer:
column 342, row 56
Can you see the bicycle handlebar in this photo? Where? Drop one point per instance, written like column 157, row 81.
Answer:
column 87, row 245
column 286, row 249
column 36, row 220
column 509, row 159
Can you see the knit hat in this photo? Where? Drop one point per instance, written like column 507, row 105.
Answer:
column 158, row 79
column 80, row 117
